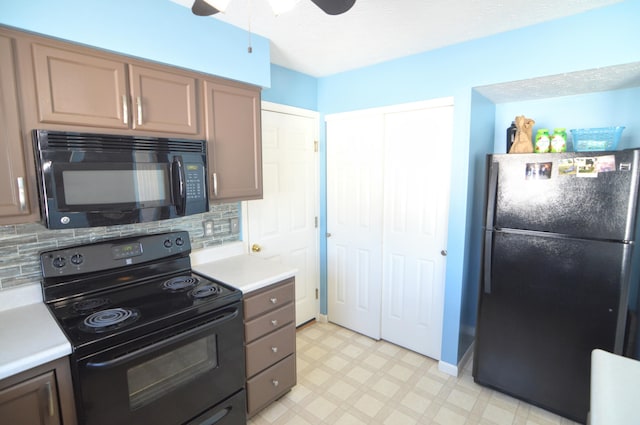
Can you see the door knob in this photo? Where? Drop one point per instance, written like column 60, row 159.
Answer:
column 256, row 248
column 443, row 252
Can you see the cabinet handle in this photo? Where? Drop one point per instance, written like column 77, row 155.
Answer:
column 50, row 399
column 125, row 110
column 275, row 382
column 274, row 322
column 139, row 102
column 214, row 182
column 274, row 349
column 273, row 300
column 22, row 197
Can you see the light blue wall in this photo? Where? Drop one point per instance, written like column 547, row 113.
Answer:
column 482, row 131
column 603, row 37
column 292, row 88
column 158, row 30
column 603, row 109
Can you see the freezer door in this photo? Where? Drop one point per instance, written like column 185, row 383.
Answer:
column 549, row 303
column 590, row 195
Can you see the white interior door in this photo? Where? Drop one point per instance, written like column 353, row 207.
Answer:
column 282, row 225
column 416, row 207
column 354, row 221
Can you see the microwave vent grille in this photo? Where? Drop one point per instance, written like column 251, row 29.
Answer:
column 102, row 142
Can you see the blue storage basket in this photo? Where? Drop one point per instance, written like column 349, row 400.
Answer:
column 596, row 139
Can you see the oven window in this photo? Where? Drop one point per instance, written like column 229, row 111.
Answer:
column 158, row 376
column 144, row 184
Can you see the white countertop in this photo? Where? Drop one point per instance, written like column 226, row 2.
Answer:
column 29, row 337
column 615, row 389
column 245, row 272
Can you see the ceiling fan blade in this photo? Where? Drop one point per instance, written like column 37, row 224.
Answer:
column 334, row 7
column 202, row 8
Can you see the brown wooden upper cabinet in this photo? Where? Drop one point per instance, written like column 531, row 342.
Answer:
column 13, row 178
column 234, row 141
column 90, row 89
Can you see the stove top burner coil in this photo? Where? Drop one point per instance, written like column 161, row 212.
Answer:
column 91, row 305
column 110, row 319
column 204, row 291
column 180, row 283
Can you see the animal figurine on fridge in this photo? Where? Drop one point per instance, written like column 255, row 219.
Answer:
column 524, row 129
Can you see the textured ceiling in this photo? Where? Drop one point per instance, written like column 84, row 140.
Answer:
column 588, row 81
column 309, row 41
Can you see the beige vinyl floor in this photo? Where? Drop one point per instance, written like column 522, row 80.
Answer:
column 345, row 378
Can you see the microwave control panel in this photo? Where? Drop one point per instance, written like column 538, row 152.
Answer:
column 194, row 176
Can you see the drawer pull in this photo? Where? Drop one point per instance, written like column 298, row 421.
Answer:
column 274, row 349
column 274, row 322
column 273, row 300
column 275, row 382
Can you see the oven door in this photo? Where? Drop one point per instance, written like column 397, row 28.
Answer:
column 169, row 377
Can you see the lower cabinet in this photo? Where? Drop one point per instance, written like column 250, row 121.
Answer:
column 270, row 337
column 39, row 396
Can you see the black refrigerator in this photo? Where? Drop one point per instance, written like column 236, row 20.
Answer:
column 558, row 249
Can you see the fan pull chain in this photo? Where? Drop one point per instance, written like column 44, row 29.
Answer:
column 249, row 49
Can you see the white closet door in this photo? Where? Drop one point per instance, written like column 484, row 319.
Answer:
column 416, row 206
column 354, row 221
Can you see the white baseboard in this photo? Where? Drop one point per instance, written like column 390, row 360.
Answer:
column 454, row 370
column 323, row 318
column 448, row 368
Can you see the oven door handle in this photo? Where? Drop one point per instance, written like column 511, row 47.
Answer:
column 224, row 316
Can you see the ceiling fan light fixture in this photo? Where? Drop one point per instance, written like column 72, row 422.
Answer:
column 221, row 5
column 282, row 6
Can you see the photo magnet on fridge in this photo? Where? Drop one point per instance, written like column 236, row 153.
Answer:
column 538, row 170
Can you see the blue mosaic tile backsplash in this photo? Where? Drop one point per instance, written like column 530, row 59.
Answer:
column 20, row 245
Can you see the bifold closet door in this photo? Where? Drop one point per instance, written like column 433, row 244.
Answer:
column 417, row 153
column 354, row 221
column 388, row 175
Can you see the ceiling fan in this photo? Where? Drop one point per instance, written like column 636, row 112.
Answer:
column 330, row 7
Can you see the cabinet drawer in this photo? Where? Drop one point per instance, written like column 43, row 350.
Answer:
column 270, row 349
column 271, row 384
column 271, row 321
column 271, row 299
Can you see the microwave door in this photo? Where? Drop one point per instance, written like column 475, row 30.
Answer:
column 179, row 192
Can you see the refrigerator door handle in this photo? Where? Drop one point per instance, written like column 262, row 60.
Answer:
column 488, row 254
column 491, row 194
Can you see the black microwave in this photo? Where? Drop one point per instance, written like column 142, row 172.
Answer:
column 87, row 180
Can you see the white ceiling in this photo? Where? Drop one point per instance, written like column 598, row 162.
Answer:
column 373, row 31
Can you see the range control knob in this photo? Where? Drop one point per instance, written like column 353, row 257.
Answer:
column 77, row 259
column 168, row 243
column 59, row 262
column 179, row 241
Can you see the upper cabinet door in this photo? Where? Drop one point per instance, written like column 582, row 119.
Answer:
column 13, row 195
column 234, row 142
column 89, row 89
column 81, row 89
column 163, row 101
